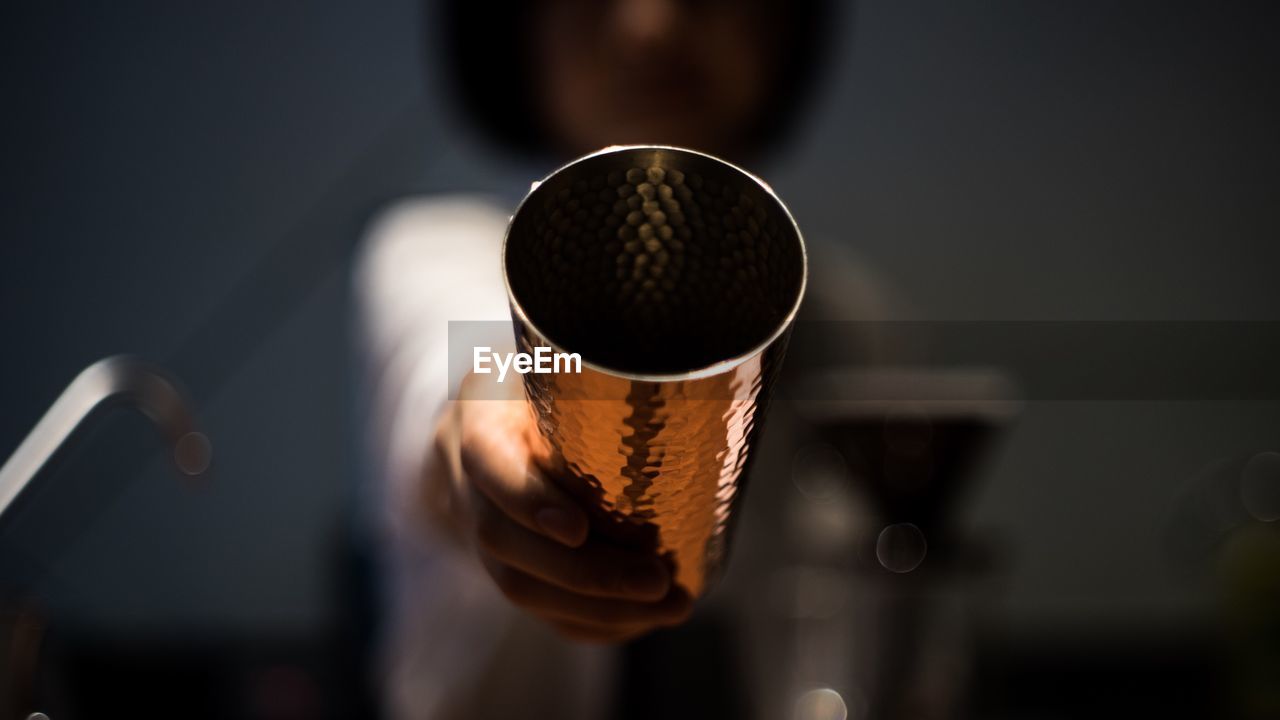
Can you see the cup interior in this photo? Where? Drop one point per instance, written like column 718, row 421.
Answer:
column 651, row 260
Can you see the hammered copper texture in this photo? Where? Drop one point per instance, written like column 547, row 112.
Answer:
column 680, row 307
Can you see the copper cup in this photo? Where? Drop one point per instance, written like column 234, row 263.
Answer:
column 676, row 277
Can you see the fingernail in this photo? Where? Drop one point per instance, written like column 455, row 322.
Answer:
column 561, row 524
column 648, row 578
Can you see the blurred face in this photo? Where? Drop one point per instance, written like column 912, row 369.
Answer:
column 694, row 73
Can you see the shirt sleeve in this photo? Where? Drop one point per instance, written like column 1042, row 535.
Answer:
column 452, row 646
column 422, row 264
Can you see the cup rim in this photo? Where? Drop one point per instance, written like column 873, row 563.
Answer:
column 706, row 371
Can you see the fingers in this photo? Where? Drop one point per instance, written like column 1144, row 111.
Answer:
column 595, row 569
column 495, row 458
column 556, row 604
column 532, row 537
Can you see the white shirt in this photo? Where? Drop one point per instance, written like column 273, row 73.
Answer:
column 453, row 646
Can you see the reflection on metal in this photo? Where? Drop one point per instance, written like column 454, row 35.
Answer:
column 901, row 547
column 676, row 276
column 113, row 381
column 821, row 704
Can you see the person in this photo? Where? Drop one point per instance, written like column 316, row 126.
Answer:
column 500, row 602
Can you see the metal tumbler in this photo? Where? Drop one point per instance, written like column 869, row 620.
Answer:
column 676, row 277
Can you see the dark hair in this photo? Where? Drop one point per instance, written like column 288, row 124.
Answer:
column 485, row 62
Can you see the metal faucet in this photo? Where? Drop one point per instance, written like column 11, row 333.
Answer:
column 110, row 382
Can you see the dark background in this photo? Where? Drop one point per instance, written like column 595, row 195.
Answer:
column 186, row 183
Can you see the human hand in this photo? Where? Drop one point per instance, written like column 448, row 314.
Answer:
column 534, row 539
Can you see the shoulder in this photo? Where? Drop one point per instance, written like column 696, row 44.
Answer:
column 437, row 231
column 455, row 220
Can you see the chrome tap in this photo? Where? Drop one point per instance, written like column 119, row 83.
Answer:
column 112, row 381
